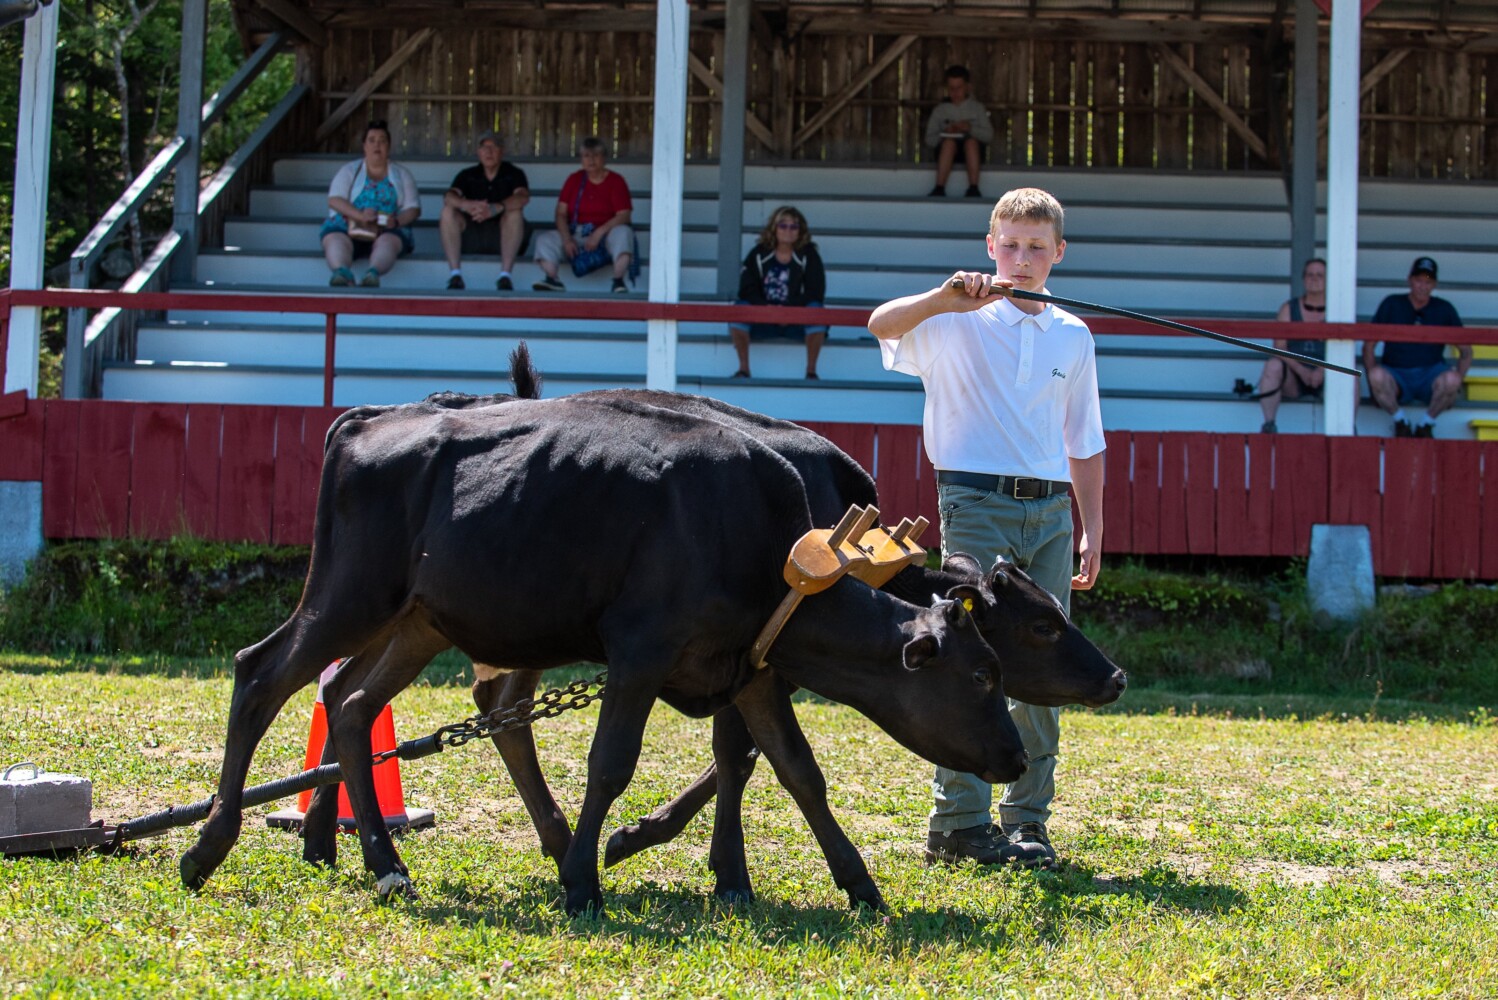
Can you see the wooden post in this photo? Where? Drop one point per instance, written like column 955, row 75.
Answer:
column 1341, row 392
column 731, row 146
column 1303, row 158
column 190, row 128
column 29, row 217
column 667, row 182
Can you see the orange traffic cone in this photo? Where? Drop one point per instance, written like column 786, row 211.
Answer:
column 387, row 774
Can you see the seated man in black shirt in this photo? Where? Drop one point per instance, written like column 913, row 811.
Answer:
column 1416, row 372
column 484, row 212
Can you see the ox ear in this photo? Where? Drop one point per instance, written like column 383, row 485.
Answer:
column 963, row 565
column 962, row 602
column 921, row 651
column 999, row 578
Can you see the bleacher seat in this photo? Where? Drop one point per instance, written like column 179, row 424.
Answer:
column 1198, row 245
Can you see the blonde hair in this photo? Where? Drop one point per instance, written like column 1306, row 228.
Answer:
column 1029, row 205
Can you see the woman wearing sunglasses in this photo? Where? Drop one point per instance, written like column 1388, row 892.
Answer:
column 783, row 269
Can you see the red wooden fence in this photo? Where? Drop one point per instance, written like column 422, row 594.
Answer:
column 250, row 473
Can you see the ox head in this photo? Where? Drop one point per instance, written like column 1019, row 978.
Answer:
column 948, row 704
column 1047, row 660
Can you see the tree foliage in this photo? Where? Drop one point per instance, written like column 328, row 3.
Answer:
column 92, row 117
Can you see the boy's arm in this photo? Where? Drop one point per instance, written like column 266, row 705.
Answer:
column 936, row 123
column 896, row 318
column 1087, row 484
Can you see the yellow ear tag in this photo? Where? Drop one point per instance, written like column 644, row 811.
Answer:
column 967, row 604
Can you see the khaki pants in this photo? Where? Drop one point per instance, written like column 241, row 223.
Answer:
column 1035, row 535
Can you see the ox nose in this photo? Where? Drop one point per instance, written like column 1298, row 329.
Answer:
column 1120, row 681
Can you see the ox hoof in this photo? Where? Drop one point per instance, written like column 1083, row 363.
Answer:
column 585, row 904
column 734, row 897
column 395, row 886
column 194, row 875
column 323, row 855
column 618, row 848
column 866, row 899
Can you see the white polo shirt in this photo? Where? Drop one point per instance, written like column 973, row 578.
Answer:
column 1006, row 393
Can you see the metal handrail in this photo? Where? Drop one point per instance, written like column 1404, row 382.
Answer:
column 81, row 359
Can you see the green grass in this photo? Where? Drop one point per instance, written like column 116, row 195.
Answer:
column 1217, row 845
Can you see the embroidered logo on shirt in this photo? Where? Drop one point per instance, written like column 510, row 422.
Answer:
column 1057, row 373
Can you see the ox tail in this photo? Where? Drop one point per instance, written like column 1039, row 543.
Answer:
column 523, row 374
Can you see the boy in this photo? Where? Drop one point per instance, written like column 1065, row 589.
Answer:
column 1011, row 421
column 958, row 123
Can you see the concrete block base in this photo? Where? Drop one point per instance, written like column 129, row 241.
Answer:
column 20, row 529
column 35, row 801
column 1339, row 577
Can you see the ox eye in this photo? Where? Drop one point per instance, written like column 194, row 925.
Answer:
column 1044, row 630
column 982, row 677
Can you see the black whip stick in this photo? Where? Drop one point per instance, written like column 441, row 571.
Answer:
column 1019, row 293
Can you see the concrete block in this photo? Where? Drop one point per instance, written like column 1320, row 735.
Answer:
column 1339, row 577
column 20, row 529
column 36, row 801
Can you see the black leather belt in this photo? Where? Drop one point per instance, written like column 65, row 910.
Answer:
column 1019, row 487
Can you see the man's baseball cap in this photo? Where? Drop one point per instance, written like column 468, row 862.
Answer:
column 1423, row 265
column 490, row 136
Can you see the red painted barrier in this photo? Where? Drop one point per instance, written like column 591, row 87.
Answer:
column 251, row 473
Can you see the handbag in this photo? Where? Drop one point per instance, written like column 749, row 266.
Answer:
column 585, row 262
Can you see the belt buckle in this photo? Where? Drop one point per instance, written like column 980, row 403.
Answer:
column 1035, row 490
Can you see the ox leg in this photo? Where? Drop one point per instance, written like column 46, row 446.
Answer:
column 320, row 822
column 265, row 675
column 518, row 749
column 665, row 823
column 353, row 699
column 733, row 755
column 766, row 704
column 611, row 765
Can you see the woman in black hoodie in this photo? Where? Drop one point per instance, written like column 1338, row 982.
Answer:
column 783, row 269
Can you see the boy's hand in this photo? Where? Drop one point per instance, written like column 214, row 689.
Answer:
column 967, row 291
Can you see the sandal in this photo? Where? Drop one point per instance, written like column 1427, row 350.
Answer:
column 741, row 373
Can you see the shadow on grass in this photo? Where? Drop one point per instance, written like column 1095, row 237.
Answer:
column 1048, row 906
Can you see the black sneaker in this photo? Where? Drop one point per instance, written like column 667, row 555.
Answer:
column 1402, row 429
column 940, row 191
column 1270, row 427
column 973, row 192
column 1031, row 844
column 455, row 283
column 1425, row 430
column 549, row 285
column 619, row 287
column 504, row 284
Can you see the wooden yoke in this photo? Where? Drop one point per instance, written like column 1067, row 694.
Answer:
column 822, row 556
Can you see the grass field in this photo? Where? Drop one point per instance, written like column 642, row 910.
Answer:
column 1216, row 846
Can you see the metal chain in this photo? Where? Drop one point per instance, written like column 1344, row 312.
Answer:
column 546, row 705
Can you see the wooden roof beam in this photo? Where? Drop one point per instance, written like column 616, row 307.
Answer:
column 835, row 103
column 1383, row 68
column 1202, row 89
column 289, row 14
column 755, row 127
column 369, row 86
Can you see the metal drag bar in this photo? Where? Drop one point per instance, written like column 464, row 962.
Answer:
column 1019, row 293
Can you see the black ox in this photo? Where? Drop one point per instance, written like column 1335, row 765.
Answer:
column 597, row 527
column 1046, row 661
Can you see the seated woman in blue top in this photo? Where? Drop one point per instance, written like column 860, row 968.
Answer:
column 371, row 205
column 783, row 269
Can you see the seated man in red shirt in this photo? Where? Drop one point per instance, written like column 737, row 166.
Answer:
column 593, row 211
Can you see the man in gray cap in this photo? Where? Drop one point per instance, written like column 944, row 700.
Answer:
column 1416, row 372
column 484, row 212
